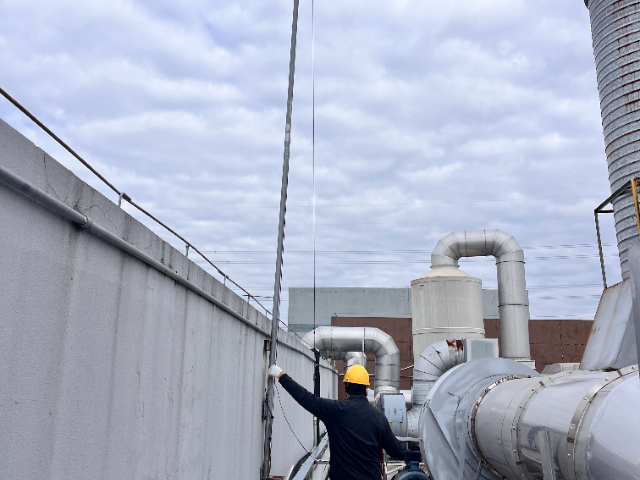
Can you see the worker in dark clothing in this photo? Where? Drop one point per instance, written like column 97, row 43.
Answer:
column 357, row 431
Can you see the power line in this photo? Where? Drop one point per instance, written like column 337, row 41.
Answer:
column 409, row 262
column 237, row 223
column 413, row 204
column 372, row 252
column 529, row 287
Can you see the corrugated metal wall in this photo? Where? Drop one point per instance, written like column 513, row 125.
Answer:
column 615, row 28
column 110, row 369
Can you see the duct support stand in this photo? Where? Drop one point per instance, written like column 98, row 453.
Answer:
column 631, row 185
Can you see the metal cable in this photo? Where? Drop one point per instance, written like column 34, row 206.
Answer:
column 387, row 252
column 316, row 370
column 313, row 159
column 286, row 420
column 121, row 194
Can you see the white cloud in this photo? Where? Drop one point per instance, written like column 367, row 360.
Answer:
column 430, row 117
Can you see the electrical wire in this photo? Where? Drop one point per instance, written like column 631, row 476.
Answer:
column 420, row 204
column 234, row 222
column 384, row 252
column 412, row 262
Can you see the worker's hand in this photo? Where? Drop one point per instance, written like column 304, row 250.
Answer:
column 275, row 371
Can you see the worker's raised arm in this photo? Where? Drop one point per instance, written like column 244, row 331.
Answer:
column 320, row 407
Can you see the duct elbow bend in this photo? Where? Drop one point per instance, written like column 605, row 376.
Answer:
column 512, row 288
column 336, row 342
column 474, row 243
column 432, row 363
column 382, row 343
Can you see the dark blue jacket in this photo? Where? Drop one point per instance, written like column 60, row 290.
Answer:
column 357, row 432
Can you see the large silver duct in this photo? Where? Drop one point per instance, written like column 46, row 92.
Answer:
column 334, row 342
column 615, row 29
column 495, row 418
column 352, row 358
column 512, row 289
column 573, row 425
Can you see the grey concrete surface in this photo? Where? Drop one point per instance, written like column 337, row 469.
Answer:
column 108, row 368
column 353, row 302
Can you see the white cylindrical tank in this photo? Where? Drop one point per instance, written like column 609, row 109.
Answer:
column 446, row 303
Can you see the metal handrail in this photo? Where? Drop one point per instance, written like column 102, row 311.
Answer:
column 123, row 196
column 631, row 185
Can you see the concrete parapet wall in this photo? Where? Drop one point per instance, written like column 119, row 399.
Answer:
column 111, row 369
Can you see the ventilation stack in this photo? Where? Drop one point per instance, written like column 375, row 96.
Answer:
column 447, row 303
column 615, row 29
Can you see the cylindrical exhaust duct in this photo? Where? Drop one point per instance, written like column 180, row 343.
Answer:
column 496, row 418
column 615, row 29
column 573, row 425
column 334, row 342
column 512, row 289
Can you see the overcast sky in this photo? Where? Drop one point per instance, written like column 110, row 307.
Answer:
column 431, row 116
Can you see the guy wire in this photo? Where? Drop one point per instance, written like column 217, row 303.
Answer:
column 313, row 162
column 316, row 369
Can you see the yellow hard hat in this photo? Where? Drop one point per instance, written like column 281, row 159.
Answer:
column 357, row 374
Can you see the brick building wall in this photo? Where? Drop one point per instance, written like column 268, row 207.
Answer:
column 552, row 341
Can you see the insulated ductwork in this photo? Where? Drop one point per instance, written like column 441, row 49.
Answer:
column 335, row 342
column 353, row 358
column 495, row 418
column 615, row 28
column 431, row 364
column 570, row 425
column 512, row 289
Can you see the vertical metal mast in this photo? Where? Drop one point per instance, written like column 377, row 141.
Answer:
column 266, row 459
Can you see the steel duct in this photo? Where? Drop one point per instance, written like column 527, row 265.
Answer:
column 615, row 29
column 573, row 425
column 512, row 289
column 435, row 360
column 335, row 342
column 353, row 358
column 496, row 418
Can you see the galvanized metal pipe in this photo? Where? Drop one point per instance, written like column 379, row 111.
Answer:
column 334, row 342
column 574, row 425
column 354, row 358
column 435, row 360
column 432, row 363
column 512, row 289
column 496, row 418
column 615, row 29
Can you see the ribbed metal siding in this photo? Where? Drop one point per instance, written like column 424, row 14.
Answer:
column 615, row 27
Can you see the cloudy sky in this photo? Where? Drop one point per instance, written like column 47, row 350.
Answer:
column 430, row 116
